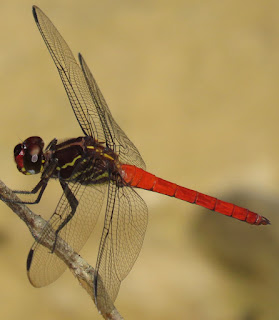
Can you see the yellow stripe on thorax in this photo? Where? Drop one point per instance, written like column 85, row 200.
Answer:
column 69, row 164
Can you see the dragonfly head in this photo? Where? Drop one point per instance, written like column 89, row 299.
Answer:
column 29, row 155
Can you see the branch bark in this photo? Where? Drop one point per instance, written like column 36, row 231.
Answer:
column 77, row 265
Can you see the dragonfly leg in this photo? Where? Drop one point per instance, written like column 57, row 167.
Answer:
column 41, row 186
column 52, row 145
column 73, row 202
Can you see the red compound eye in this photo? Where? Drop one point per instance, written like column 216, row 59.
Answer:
column 29, row 155
column 19, row 155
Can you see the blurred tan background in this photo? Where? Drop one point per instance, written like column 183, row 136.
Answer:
column 195, row 87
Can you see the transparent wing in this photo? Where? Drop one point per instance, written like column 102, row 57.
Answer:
column 45, row 266
column 126, row 212
column 123, row 234
column 85, row 97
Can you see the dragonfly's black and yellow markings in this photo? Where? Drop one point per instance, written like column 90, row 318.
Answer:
column 69, row 164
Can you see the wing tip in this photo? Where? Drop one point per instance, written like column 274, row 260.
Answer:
column 29, row 259
column 80, row 58
column 34, row 11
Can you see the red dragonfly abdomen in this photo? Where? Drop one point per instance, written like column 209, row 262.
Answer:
column 139, row 178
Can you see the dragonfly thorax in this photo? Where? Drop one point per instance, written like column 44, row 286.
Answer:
column 82, row 159
column 29, row 155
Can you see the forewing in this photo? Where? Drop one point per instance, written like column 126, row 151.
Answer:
column 122, row 145
column 122, row 238
column 45, row 266
column 87, row 101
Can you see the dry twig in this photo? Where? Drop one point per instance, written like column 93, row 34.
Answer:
column 77, row 265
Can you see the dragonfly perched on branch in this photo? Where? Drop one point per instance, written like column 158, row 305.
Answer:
column 101, row 167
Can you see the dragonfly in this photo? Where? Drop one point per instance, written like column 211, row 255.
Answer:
column 101, row 168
